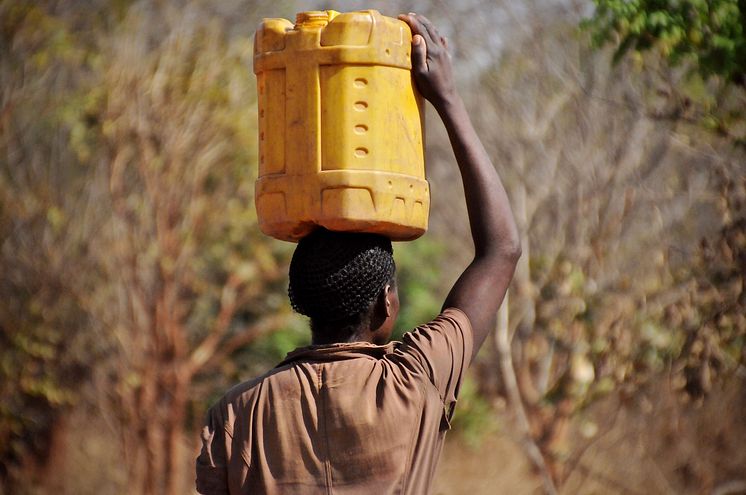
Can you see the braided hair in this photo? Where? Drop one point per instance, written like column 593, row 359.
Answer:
column 335, row 277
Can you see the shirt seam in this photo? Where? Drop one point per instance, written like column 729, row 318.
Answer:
column 322, row 398
column 415, row 432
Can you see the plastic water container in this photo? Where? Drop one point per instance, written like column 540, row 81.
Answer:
column 340, row 127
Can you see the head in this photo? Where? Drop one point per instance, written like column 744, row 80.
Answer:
column 345, row 283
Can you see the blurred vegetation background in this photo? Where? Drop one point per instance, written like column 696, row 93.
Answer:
column 135, row 286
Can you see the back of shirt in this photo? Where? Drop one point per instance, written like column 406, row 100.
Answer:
column 344, row 418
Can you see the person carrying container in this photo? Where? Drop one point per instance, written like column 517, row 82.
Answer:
column 353, row 412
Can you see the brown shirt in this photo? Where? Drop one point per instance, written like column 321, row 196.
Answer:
column 341, row 418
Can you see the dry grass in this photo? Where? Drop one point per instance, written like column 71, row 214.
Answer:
column 660, row 444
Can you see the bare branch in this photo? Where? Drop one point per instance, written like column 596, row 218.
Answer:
column 502, row 344
column 204, row 351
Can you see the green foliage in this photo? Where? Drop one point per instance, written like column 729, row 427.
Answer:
column 474, row 417
column 271, row 349
column 420, row 284
column 44, row 352
column 40, row 372
column 709, row 33
column 707, row 38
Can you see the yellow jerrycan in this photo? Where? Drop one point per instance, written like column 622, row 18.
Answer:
column 340, row 127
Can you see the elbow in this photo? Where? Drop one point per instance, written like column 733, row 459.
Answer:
column 510, row 246
column 513, row 246
column 512, row 250
column 506, row 250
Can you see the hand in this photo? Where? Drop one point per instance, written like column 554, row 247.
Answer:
column 431, row 65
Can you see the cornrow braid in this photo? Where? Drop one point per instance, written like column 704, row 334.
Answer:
column 337, row 275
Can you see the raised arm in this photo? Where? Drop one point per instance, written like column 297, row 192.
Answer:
column 480, row 290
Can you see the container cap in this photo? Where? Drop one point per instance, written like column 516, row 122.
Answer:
column 314, row 18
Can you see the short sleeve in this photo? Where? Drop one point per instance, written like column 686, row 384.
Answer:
column 211, row 466
column 442, row 348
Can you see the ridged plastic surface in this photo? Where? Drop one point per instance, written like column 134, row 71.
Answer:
column 340, row 127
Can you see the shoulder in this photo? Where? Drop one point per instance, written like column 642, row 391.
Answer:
column 451, row 317
column 238, row 397
column 439, row 351
column 441, row 342
column 450, row 325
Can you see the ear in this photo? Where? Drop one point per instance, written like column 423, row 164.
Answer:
column 383, row 302
column 386, row 293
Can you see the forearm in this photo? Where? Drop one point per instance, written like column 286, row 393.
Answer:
column 481, row 288
column 493, row 228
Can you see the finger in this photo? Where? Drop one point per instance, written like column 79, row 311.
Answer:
column 419, row 54
column 418, row 27
column 409, row 20
column 434, row 35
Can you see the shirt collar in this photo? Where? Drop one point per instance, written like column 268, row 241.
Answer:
column 338, row 352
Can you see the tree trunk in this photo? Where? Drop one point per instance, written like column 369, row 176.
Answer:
column 174, row 452
column 502, row 344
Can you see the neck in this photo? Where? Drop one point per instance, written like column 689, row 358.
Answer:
column 355, row 330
